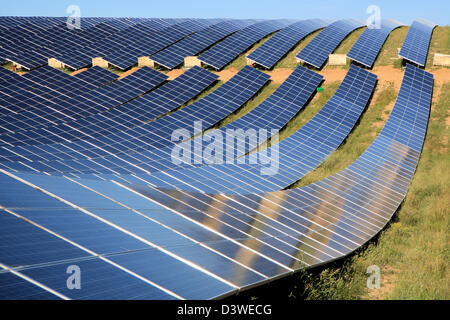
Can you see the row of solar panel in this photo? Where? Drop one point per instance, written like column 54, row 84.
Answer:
column 206, row 245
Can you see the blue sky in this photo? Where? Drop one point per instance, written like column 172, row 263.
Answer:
column 403, row 10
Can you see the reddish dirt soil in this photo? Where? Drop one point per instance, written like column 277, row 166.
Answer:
column 78, row 71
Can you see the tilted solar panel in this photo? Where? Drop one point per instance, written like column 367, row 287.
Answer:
column 174, row 55
column 366, row 48
column 157, row 134
column 270, row 52
column 227, row 50
column 148, row 107
column 97, row 76
column 417, row 41
column 91, row 102
column 317, row 51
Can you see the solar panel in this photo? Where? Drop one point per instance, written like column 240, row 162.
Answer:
column 91, row 102
column 366, row 48
column 272, row 114
column 271, row 51
column 227, row 50
column 300, row 153
column 417, row 41
column 97, row 76
column 134, row 113
column 251, row 239
column 154, row 43
column 210, row 109
column 174, row 55
column 317, row 51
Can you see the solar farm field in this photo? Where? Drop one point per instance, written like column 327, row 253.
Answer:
column 360, row 151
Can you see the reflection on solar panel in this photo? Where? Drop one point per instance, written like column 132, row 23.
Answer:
column 277, row 46
column 97, row 76
column 317, row 51
column 91, row 102
column 227, row 50
column 207, row 245
column 366, row 48
column 174, row 55
column 157, row 134
column 417, row 41
column 134, row 113
column 272, row 114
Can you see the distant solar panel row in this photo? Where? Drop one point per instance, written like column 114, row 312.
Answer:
column 164, row 99
column 317, row 51
column 366, row 48
column 277, row 46
column 174, row 55
column 157, row 134
column 207, row 245
column 227, row 50
column 415, row 46
column 155, row 42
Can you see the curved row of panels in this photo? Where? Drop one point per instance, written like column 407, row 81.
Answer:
column 133, row 239
column 94, row 157
column 217, row 42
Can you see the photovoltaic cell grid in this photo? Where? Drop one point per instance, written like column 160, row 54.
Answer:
column 317, row 51
column 366, row 48
column 227, row 50
column 253, row 238
column 97, row 76
column 299, row 154
column 272, row 114
column 157, row 134
column 91, row 102
column 174, row 55
column 31, row 44
column 271, row 51
column 164, row 99
column 417, row 41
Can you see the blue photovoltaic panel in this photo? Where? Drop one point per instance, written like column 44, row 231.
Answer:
column 91, row 102
column 272, row 114
column 417, row 41
column 148, row 107
column 97, row 76
column 227, row 50
column 366, row 48
column 157, row 134
column 317, row 51
column 155, row 42
column 299, row 154
column 227, row 244
column 277, row 46
column 174, row 55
